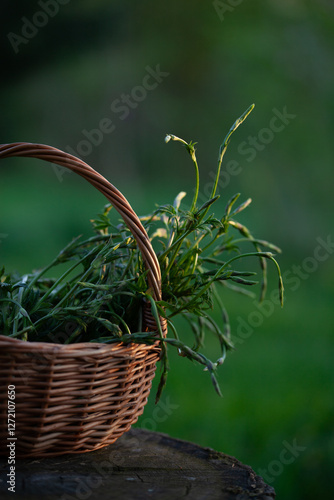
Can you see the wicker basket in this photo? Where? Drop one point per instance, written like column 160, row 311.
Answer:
column 78, row 397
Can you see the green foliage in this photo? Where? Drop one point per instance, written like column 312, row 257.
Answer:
column 100, row 295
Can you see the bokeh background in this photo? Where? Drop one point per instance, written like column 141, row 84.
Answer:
column 65, row 68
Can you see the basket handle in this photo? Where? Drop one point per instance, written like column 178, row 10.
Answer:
column 115, row 197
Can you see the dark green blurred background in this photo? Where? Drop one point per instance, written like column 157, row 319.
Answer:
column 64, row 73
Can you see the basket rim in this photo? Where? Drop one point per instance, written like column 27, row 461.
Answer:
column 75, row 349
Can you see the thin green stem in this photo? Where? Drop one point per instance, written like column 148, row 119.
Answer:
column 175, row 247
column 193, row 157
column 215, row 238
column 19, row 300
column 191, row 150
column 223, row 147
column 24, row 331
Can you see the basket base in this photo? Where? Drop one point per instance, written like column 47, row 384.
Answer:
column 70, row 398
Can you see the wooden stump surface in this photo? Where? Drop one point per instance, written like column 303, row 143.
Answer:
column 141, row 465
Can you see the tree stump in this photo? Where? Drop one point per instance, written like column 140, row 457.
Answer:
column 141, row 465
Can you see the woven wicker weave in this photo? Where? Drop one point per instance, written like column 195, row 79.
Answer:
column 78, row 397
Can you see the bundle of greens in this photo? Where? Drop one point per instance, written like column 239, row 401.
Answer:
column 99, row 297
